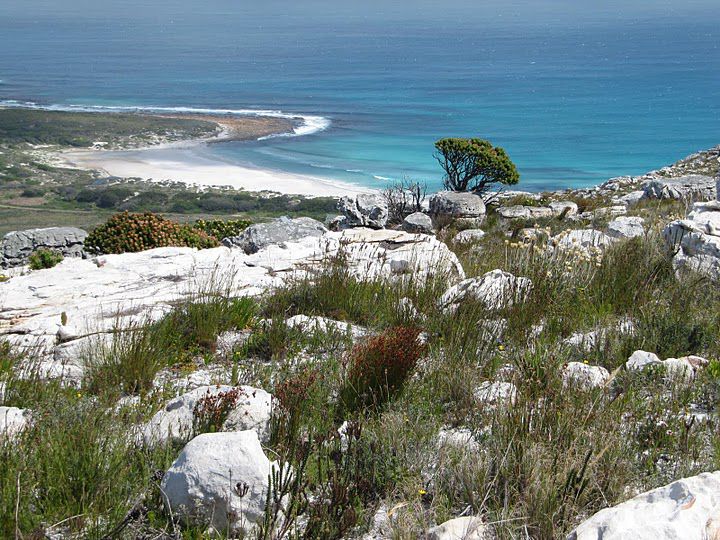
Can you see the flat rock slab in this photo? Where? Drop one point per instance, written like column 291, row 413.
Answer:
column 80, row 297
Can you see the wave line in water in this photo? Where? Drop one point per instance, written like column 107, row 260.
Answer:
column 309, row 123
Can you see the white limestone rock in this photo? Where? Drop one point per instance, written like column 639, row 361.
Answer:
column 460, row 207
column 496, row 394
column 220, row 480
column 468, row 236
column 584, row 376
column 632, row 198
column 251, row 410
column 365, row 210
column 626, row 227
column 462, row 528
column 310, row 324
column 563, row 208
column 417, row 222
column 582, row 239
column 642, row 359
column 495, row 290
column 457, row 438
column 693, row 187
column 278, row 231
column 683, row 510
column 696, row 240
column 118, row 291
column 12, row 421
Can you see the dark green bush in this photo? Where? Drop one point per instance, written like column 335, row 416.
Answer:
column 128, row 232
column 45, row 258
column 222, row 229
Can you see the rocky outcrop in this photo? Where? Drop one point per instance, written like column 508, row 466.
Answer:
column 220, row 480
column 417, row 222
column 82, row 297
column 17, row 246
column 696, row 240
column 247, row 408
column 365, row 210
column 687, row 509
column 460, row 207
column 692, row 187
column 279, row 231
column 495, row 290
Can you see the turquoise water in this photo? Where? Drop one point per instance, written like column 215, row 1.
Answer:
column 574, row 95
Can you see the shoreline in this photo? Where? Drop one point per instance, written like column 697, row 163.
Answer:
column 185, row 162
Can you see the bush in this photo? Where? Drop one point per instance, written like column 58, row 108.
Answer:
column 45, row 258
column 128, row 232
column 222, row 229
column 378, row 368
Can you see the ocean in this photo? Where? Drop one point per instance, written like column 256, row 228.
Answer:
column 574, row 93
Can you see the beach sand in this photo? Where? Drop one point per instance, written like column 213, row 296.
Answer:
column 190, row 165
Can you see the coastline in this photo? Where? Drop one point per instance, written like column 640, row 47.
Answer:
column 187, row 163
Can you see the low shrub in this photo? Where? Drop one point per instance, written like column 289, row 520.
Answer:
column 127, row 232
column 222, row 229
column 45, row 258
column 212, row 410
column 379, row 367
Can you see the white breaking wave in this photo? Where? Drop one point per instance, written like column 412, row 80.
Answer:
column 308, row 124
column 377, row 177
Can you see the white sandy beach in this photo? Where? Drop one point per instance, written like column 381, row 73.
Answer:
column 190, row 165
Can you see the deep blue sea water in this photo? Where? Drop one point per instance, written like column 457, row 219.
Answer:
column 575, row 94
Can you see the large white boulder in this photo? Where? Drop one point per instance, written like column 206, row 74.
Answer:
column 626, row 227
column 220, row 480
column 462, row 528
column 642, row 359
column 684, row 510
column 460, row 207
column 248, row 408
column 584, row 376
column 495, row 290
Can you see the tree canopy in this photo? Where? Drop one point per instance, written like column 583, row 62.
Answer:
column 474, row 164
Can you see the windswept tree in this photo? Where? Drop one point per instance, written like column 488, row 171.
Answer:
column 474, row 165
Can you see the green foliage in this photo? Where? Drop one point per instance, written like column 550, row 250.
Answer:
column 222, row 228
column 45, row 258
column 474, row 164
column 129, row 364
column 128, row 232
